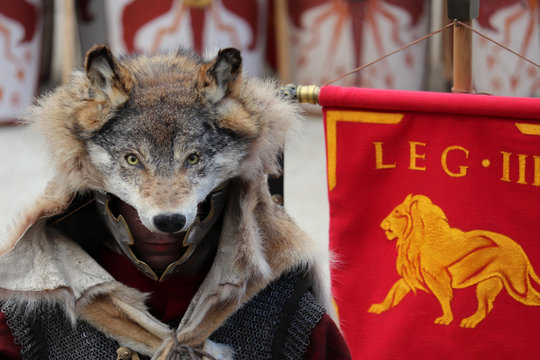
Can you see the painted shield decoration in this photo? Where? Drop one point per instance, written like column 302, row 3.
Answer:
column 331, row 37
column 514, row 24
column 20, row 41
column 202, row 25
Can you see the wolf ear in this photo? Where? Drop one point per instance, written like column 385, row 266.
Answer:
column 105, row 75
column 221, row 76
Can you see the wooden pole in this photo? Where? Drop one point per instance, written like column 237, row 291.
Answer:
column 462, row 59
column 464, row 11
column 282, row 41
column 68, row 39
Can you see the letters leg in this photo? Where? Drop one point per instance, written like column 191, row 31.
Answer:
column 486, row 292
column 394, row 296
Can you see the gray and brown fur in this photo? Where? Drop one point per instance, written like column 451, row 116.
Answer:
column 164, row 108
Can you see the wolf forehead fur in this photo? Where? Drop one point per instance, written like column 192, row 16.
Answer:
column 165, row 114
column 154, row 125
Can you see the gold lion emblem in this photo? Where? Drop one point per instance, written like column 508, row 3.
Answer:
column 436, row 258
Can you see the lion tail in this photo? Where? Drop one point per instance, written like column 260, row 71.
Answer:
column 533, row 294
column 530, row 295
column 532, row 274
column 520, row 280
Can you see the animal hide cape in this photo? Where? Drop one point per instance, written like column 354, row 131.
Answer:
column 258, row 243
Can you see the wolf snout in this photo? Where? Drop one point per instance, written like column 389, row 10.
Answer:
column 169, row 223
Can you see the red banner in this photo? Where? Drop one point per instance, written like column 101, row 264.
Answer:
column 434, row 220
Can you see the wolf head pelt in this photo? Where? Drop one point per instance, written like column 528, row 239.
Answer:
column 162, row 131
column 154, row 108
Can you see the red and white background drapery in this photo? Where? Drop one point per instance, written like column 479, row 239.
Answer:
column 453, row 180
column 202, row 25
column 20, row 56
column 513, row 23
column 330, row 37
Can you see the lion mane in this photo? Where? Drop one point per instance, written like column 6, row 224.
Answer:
column 436, row 258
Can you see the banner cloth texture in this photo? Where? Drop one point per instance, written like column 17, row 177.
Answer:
column 435, row 222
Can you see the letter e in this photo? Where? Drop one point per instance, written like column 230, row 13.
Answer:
column 414, row 156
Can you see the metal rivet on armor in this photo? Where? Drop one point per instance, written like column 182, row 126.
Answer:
column 123, row 353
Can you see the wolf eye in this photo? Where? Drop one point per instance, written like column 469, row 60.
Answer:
column 132, row 159
column 192, row 159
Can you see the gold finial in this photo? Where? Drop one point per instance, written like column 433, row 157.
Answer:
column 308, row 94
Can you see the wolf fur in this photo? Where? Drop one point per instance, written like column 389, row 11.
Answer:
column 160, row 132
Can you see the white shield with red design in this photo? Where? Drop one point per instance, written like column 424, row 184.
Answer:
column 20, row 54
column 201, row 25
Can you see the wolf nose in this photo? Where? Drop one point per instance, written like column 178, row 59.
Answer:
column 169, row 223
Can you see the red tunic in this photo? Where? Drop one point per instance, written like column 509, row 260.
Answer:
column 170, row 299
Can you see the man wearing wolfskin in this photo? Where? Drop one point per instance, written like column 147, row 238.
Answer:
column 161, row 187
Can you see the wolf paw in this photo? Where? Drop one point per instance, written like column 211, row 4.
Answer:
column 172, row 349
column 219, row 351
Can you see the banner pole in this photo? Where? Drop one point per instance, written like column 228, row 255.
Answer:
column 282, row 41
column 68, row 49
column 462, row 59
column 464, row 11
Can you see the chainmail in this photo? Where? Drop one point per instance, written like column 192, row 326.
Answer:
column 252, row 329
column 47, row 333
column 308, row 314
column 21, row 328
